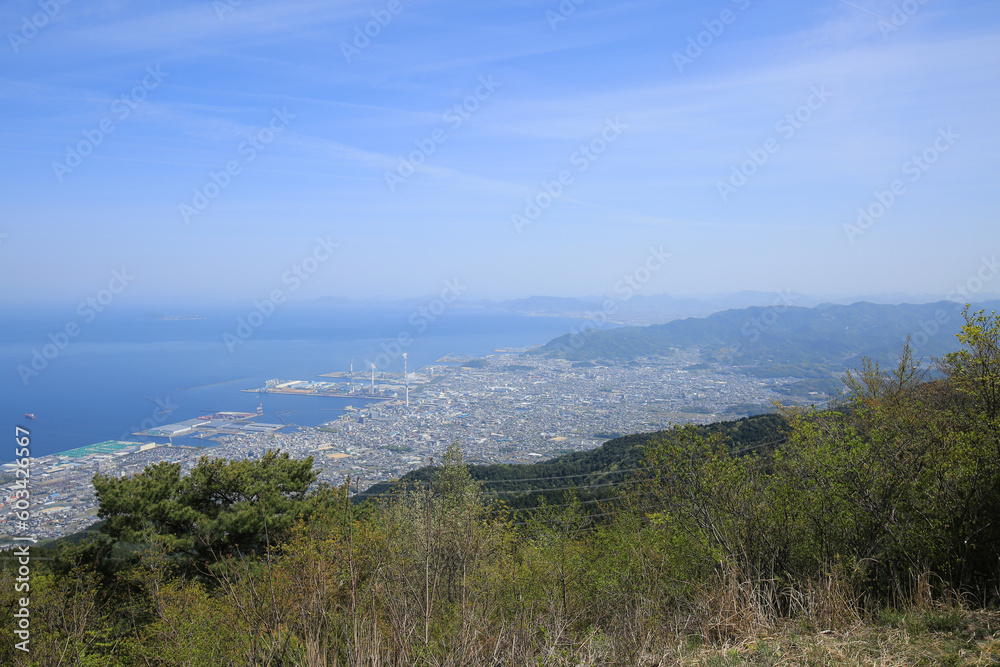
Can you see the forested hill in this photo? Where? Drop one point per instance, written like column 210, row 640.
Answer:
column 594, row 472
column 783, row 340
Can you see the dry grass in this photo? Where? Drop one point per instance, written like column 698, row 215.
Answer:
column 935, row 637
column 732, row 605
column 734, row 622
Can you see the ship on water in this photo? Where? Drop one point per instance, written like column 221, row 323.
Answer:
column 29, row 415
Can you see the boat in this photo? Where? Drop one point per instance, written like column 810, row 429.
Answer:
column 29, row 415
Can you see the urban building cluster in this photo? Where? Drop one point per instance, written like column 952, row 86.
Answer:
column 508, row 407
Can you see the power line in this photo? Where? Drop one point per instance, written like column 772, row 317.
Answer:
column 534, row 479
column 570, row 488
column 587, row 516
column 597, row 473
column 558, row 488
column 578, row 502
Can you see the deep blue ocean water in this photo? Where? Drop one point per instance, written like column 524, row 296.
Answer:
column 99, row 386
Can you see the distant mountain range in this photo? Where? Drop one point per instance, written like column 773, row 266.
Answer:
column 639, row 309
column 782, row 340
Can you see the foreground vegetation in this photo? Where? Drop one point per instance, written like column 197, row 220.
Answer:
column 868, row 534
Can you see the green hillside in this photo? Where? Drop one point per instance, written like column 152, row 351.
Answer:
column 595, row 473
column 783, row 340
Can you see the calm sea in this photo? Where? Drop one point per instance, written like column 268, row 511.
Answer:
column 123, row 368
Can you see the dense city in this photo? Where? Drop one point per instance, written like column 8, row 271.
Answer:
column 508, row 407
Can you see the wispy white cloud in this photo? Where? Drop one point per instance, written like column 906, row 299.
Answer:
column 355, row 120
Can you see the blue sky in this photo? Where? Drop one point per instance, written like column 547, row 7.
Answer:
column 643, row 109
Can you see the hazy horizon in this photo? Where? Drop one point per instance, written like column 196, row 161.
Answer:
column 186, row 305
column 218, row 151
